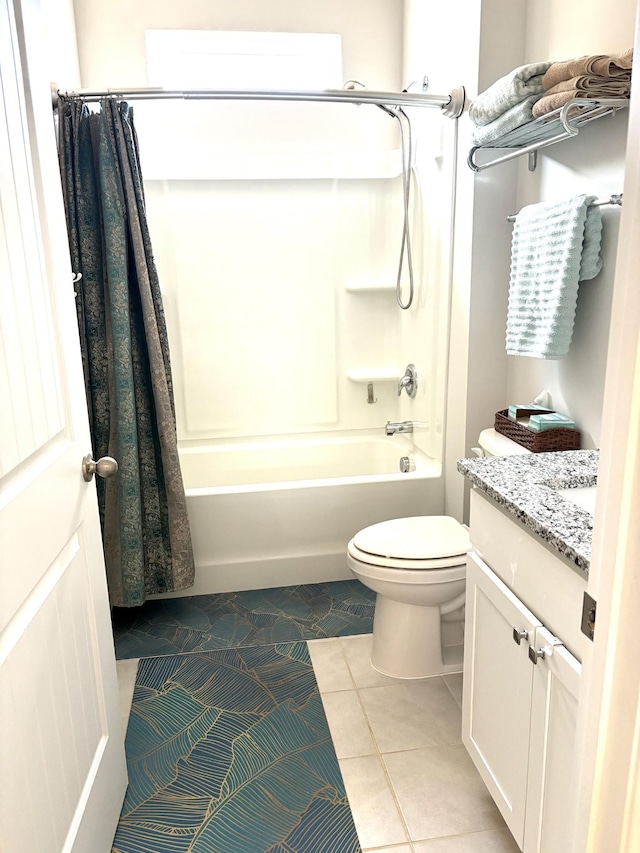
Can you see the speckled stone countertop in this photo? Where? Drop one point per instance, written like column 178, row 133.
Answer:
column 526, row 487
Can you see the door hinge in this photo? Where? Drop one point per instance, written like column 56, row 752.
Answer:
column 588, row 624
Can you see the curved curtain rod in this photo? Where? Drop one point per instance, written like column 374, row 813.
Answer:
column 451, row 105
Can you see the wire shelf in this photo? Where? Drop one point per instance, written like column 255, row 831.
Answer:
column 548, row 129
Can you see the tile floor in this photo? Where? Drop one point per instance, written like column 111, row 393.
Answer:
column 411, row 785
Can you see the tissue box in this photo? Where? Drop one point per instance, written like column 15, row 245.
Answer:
column 516, row 411
column 553, row 420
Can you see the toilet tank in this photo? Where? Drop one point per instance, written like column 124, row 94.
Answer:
column 492, row 443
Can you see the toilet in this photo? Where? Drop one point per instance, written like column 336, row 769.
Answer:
column 417, row 568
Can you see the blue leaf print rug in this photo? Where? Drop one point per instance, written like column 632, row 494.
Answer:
column 229, row 752
column 201, row 623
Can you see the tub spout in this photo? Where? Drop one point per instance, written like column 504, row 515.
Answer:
column 402, row 426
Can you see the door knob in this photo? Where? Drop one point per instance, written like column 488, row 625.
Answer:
column 106, row 466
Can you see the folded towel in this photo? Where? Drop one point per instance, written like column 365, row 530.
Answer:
column 602, row 66
column 508, row 91
column 611, row 87
column 554, row 101
column 554, row 246
column 512, row 118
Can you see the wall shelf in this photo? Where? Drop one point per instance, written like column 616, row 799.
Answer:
column 375, row 374
column 364, row 286
column 547, row 130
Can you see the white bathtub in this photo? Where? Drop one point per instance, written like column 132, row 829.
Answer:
column 277, row 513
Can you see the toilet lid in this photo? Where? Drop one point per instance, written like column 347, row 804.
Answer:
column 422, row 537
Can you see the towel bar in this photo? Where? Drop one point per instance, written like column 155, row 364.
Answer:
column 613, row 199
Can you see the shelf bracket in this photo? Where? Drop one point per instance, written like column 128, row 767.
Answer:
column 533, row 160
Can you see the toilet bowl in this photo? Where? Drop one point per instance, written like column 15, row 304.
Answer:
column 417, row 567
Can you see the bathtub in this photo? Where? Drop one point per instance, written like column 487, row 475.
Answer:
column 276, row 513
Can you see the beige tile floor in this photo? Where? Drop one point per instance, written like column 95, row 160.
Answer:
column 410, row 783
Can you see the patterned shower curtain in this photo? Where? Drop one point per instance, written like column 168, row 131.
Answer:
column 125, row 354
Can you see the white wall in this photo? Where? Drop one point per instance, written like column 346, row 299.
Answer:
column 593, row 164
column 482, row 378
column 371, row 30
column 470, row 55
column 60, row 42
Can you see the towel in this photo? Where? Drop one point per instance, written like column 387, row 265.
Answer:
column 514, row 117
column 508, row 91
column 554, row 246
column 600, row 65
column 609, row 87
column 558, row 99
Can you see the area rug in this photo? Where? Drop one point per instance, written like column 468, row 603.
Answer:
column 230, row 752
column 231, row 619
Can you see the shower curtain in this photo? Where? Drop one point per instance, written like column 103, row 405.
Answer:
column 125, row 353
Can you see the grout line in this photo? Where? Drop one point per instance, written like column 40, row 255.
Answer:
column 382, row 764
column 455, row 698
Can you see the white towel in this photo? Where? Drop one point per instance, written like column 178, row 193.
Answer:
column 554, row 246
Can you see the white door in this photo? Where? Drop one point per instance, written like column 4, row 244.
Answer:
column 551, row 803
column 496, row 703
column 62, row 767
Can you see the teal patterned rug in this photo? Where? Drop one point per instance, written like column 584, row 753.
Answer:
column 200, row 623
column 230, row 752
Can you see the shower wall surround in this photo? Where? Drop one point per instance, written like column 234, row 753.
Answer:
column 278, row 291
column 272, row 222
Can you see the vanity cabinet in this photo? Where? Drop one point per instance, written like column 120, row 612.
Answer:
column 520, row 701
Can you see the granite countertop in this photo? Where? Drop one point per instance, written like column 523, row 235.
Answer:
column 526, row 487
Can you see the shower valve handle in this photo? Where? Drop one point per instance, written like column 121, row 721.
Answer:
column 409, row 381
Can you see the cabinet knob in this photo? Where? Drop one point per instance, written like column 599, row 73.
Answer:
column 536, row 654
column 519, row 636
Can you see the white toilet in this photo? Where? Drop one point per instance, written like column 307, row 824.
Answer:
column 417, row 567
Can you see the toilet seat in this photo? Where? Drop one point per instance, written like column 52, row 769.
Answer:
column 419, row 542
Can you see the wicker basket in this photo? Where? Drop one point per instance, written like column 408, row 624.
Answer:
column 537, row 442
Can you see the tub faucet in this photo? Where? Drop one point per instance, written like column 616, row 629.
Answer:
column 402, row 426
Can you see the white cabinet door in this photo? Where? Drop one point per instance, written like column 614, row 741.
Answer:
column 552, row 783
column 62, row 768
column 496, row 709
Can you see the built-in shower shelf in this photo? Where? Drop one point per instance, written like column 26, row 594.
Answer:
column 375, row 374
column 370, row 287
